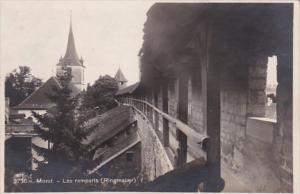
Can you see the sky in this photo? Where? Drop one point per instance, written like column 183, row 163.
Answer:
column 108, row 35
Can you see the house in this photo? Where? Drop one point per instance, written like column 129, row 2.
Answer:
column 38, row 101
column 115, row 148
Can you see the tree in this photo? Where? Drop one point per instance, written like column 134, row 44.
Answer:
column 99, row 97
column 60, row 126
column 19, row 84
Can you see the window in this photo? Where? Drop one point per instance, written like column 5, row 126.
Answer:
column 129, row 156
column 271, row 87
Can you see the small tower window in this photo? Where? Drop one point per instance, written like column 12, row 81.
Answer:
column 129, row 156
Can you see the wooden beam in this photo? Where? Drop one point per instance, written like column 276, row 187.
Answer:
column 183, row 116
column 156, row 119
column 165, row 105
column 210, row 76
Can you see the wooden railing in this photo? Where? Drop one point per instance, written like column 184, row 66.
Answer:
column 184, row 132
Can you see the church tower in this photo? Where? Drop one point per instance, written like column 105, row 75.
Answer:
column 72, row 61
column 120, row 78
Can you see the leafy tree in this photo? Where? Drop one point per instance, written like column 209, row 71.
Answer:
column 19, row 84
column 99, row 97
column 59, row 125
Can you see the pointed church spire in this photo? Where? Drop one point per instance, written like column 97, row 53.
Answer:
column 71, row 17
column 71, row 49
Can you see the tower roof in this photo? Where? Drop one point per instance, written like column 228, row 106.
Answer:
column 120, row 76
column 71, row 49
column 71, row 58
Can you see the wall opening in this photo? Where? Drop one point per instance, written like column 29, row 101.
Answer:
column 271, row 87
column 129, row 156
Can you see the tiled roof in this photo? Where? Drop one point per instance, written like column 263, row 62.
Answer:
column 120, row 76
column 128, row 90
column 39, row 99
column 104, row 155
column 107, row 125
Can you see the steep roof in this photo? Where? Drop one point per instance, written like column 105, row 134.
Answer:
column 71, row 49
column 103, row 156
column 39, row 99
column 120, row 76
column 128, row 90
column 71, row 58
column 102, row 128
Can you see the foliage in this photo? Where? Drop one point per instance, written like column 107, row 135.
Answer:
column 99, row 97
column 19, row 84
column 60, row 126
column 63, row 126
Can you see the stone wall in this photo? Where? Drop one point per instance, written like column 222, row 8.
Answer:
column 260, row 168
column 257, row 86
column 233, row 126
column 124, row 167
column 284, row 138
column 245, row 157
column 261, row 163
column 155, row 161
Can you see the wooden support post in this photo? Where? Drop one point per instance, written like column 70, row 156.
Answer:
column 145, row 108
column 151, row 115
column 182, row 148
column 151, row 112
column 156, row 119
column 212, row 112
column 183, row 116
column 165, row 105
column 210, row 76
column 147, row 111
column 143, row 105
